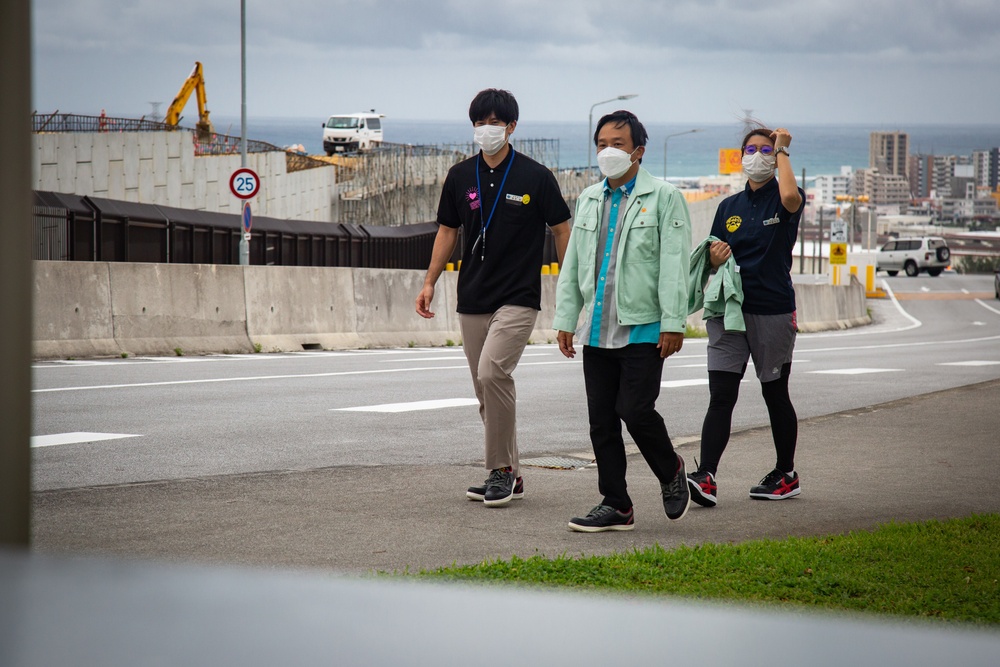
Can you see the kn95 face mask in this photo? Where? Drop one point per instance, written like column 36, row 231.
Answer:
column 614, row 162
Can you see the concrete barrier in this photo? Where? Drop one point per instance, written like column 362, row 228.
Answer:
column 85, row 309
column 299, row 307
column 72, row 310
column 160, row 308
column 826, row 307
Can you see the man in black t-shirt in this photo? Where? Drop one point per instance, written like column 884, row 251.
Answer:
column 502, row 200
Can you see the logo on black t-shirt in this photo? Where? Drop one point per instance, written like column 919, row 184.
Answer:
column 472, row 196
column 733, row 223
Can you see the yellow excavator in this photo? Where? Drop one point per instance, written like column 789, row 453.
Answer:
column 195, row 82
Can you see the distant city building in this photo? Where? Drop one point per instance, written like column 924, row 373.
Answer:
column 981, row 167
column 829, row 186
column 881, row 189
column 942, row 170
column 962, row 211
column 918, row 174
column 887, row 152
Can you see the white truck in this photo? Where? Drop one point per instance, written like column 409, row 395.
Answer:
column 349, row 133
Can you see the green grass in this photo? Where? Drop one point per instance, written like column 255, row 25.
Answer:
column 692, row 332
column 939, row 569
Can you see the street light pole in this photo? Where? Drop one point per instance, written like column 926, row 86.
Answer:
column 590, row 123
column 244, row 244
column 665, row 139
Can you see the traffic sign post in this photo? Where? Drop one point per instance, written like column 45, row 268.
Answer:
column 245, row 237
column 245, row 184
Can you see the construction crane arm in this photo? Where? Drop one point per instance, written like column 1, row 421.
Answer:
column 195, row 83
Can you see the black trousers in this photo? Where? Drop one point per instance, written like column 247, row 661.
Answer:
column 622, row 386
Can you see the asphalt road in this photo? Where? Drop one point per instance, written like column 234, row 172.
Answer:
column 192, row 417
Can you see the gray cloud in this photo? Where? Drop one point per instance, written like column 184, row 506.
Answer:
column 820, row 60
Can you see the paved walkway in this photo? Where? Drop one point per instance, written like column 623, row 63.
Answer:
column 931, row 456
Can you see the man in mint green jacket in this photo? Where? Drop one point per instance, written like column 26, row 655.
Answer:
column 626, row 270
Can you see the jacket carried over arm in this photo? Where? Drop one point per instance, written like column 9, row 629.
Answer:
column 651, row 282
column 724, row 295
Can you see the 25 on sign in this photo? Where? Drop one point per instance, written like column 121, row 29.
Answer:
column 244, row 183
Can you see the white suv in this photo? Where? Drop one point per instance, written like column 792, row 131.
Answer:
column 927, row 253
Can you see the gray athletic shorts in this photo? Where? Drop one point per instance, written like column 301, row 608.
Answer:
column 769, row 340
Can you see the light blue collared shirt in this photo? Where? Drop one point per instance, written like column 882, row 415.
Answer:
column 601, row 328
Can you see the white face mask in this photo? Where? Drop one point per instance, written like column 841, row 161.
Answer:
column 490, row 138
column 614, row 162
column 758, row 167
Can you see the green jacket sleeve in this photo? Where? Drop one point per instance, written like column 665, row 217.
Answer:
column 675, row 249
column 723, row 297
column 569, row 298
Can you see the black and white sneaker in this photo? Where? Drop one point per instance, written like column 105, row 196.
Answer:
column 703, row 488
column 777, row 485
column 478, row 493
column 602, row 518
column 499, row 487
column 676, row 495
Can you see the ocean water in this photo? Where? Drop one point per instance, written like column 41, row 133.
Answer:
column 819, row 149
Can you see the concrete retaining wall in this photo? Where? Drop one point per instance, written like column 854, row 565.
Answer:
column 87, row 309
column 161, row 168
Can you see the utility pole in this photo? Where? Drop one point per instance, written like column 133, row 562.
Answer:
column 244, row 243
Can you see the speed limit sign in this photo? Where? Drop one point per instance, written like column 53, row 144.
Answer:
column 244, row 183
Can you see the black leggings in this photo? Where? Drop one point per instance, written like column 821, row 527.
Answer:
column 725, row 389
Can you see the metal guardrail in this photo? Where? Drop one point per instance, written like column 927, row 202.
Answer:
column 70, row 122
column 219, row 144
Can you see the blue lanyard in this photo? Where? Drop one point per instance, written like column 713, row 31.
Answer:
column 486, row 222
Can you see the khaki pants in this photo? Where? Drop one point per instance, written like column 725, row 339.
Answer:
column 493, row 345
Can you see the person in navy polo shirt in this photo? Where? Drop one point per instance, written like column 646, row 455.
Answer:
column 503, row 201
column 757, row 227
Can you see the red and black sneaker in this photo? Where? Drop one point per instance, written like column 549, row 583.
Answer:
column 777, row 485
column 703, row 488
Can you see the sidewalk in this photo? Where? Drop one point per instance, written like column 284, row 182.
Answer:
column 931, row 456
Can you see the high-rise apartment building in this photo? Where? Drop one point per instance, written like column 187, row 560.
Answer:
column 887, row 152
column 882, row 189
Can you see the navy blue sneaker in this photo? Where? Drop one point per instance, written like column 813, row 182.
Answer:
column 602, row 518
column 500, row 487
column 478, row 493
column 676, row 495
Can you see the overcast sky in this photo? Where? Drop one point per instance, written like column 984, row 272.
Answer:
column 888, row 63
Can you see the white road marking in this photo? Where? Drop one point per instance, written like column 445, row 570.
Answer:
column 987, row 307
column 969, row 363
column 674, row 384
column 77, row 437
column 413, row 406
column 461, row 358
column 857, row 371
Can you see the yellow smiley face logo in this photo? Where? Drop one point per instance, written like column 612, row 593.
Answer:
column 733, row 223
column 525, row 199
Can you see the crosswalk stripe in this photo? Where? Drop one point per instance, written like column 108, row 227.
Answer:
column 413, row 406
column 969, row 363
column 75, row 438
column 857, row 371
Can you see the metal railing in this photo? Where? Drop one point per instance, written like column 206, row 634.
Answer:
column 218, row 144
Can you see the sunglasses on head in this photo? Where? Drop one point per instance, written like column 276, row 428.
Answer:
column 750, row 149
